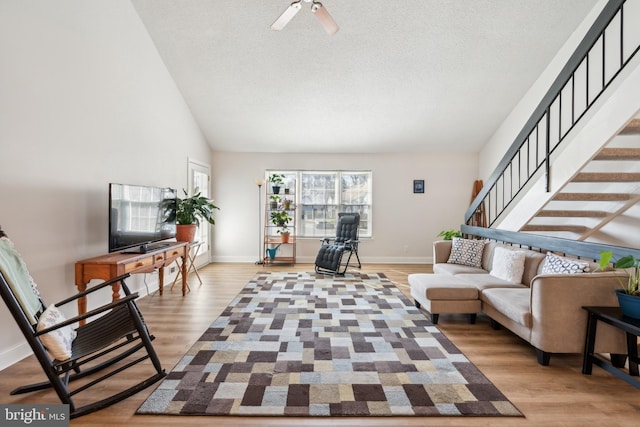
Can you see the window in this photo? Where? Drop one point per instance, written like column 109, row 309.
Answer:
column 199, row 179
column 321, row 195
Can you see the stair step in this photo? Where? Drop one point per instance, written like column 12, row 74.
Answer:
column 539, row 227
column 621, row 154
column 572, row 213
column 592, row 197
column 632, row 128
column 607, row 177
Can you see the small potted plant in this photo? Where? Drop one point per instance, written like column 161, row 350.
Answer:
column 189, row 211
column 276, row 180
column 274, row 199
column 284, row 234
column 629, row 294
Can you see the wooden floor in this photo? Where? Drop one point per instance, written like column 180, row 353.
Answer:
column 556, row 395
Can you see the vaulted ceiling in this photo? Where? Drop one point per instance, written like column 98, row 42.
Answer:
column 399, row 76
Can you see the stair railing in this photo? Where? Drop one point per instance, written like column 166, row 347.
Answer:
column 603, row 53
column 586, row 250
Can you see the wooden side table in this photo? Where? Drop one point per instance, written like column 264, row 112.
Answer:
column 192, row 254
column 614, row 317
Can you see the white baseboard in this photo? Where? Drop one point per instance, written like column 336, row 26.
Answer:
column 234, row 259
column 311, row 260
column 14, row 355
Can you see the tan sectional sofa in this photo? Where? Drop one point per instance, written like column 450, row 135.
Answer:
column 543, row 309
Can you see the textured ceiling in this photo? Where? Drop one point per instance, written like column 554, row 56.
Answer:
column 399, row 76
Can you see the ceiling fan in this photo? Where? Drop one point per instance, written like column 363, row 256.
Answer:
column 320, row 11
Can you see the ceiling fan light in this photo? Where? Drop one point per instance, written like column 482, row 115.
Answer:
column 324, row 18
column 287, row 16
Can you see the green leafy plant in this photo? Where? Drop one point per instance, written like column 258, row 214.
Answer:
column 281, row 218
column 192, row 209
column 449, row 234
column 628, row 263
column 276, row 179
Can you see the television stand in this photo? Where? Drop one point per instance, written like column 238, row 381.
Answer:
column 109, row 266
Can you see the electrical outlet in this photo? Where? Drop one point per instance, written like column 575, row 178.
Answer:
column 172, row 270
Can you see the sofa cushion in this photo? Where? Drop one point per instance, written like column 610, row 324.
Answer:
column 455, row 269
column 487, row 281
column 554, row 264
column 508, row 265
column 442, row 287
column 466, row 252
column 487, row 257
column 512, row 303
column 532, row 263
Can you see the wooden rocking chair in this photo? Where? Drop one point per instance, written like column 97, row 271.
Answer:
column 113, row 333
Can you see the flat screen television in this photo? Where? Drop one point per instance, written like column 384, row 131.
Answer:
column 140, row 217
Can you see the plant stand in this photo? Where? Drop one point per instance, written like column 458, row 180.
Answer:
column 614, row 317
column 278, row 250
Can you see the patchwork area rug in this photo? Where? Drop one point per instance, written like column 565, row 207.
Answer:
column 304, row 344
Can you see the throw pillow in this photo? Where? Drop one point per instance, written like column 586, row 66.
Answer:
column 554, row 264
column 466, row 252
column 508, row 265
column 58, row 342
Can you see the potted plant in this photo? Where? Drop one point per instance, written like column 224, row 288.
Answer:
column 276, row 180
column 284, row 234
column 629, row 294
column 281, row 218
column 273, row 202
column 449, row 234
column 189, row 212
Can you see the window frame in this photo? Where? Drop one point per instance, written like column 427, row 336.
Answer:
column 339, row 202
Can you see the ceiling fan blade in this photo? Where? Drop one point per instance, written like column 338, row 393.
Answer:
column 325, row 19
column 287, row 16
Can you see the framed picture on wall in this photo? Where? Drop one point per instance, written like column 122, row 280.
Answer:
column 418, row 185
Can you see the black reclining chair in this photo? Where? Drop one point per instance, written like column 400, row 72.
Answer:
column 330, row 255
column 67, row 354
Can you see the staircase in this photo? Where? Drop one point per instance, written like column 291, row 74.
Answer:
column 605, row 192
column 573, row 171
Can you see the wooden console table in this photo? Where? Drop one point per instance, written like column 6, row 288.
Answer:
column 115, row 264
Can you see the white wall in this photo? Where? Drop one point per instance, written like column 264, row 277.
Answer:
column 404, row 224
column 86, row 100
